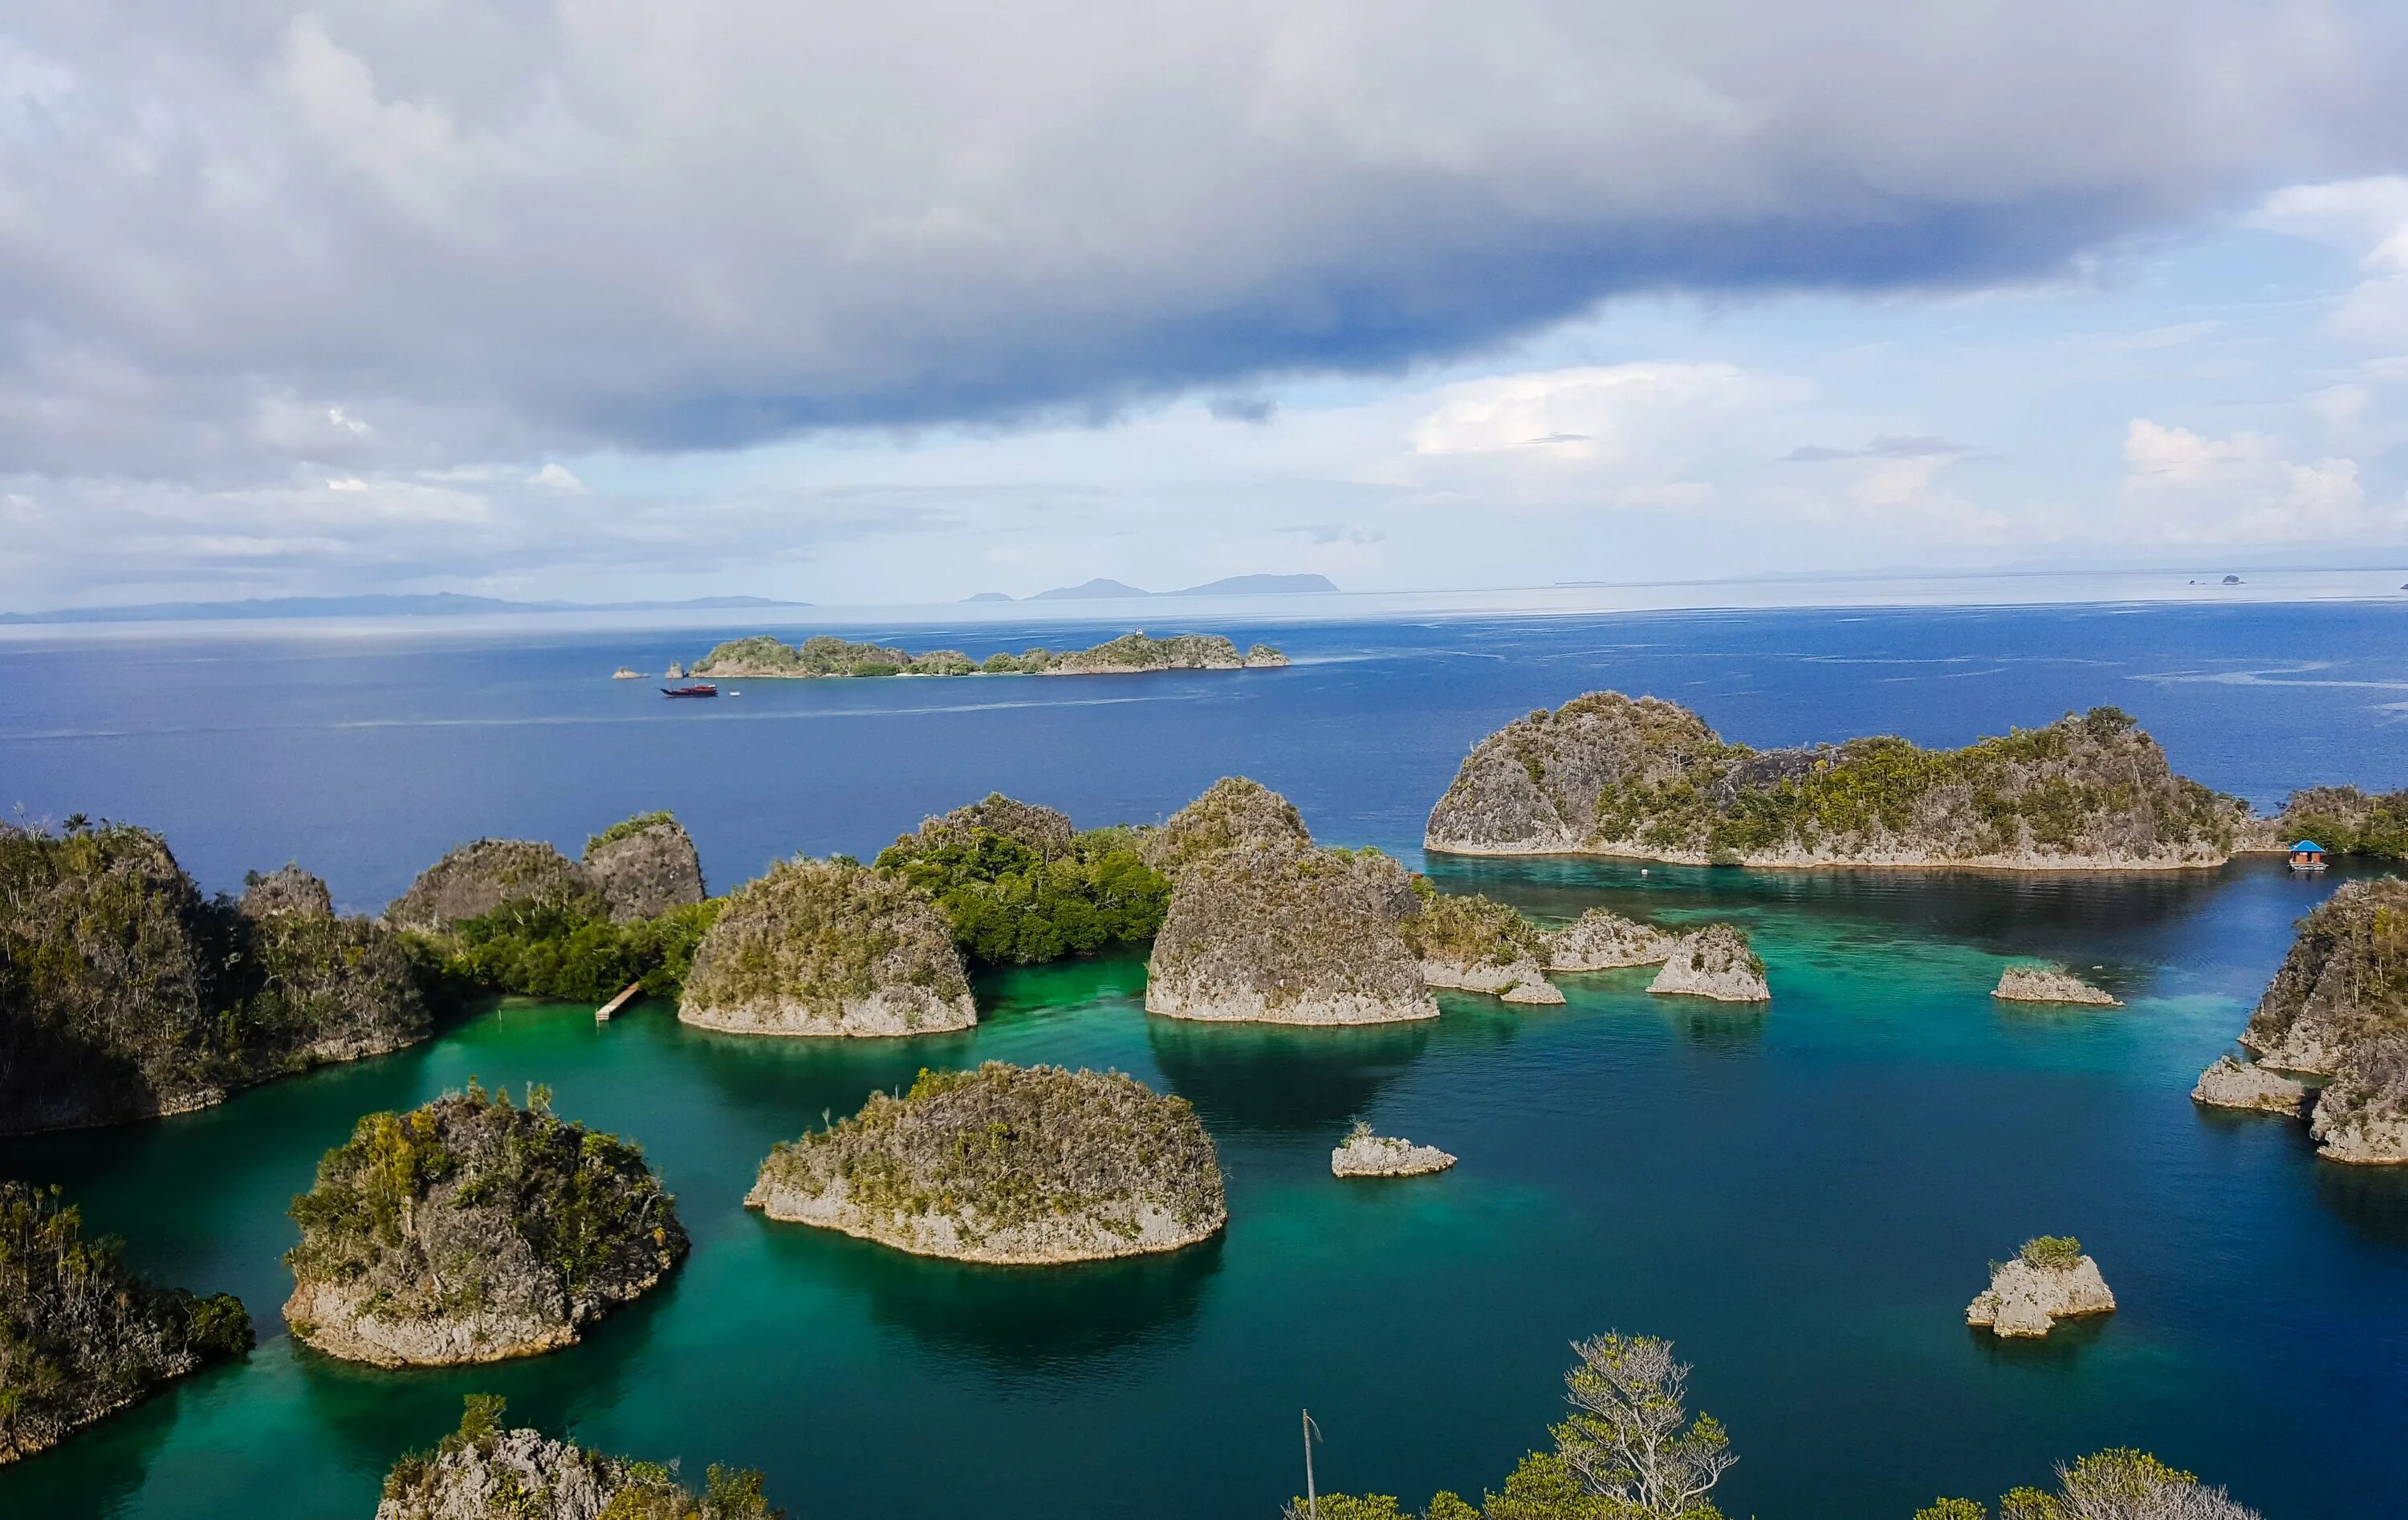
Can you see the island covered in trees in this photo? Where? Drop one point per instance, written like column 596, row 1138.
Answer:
column 762, row 657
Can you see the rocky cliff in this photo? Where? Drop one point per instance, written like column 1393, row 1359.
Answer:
column 1714, row 962
column 473, row 880
column 1606, row 774
column 2361, row 1116
column 1007, row 1164
column 1046, row 831
column 2345, row 978
column 828, row 948
column 287, row 890
column 1234, row 814
column 81, row 1336
column 482, row 1471
column 1289, row 936
column 1472, row 944
column 2230, row 1083
column 1600, row 941
column 2049, row 984
column 2049, row 1281
column 644, row 866
column 124, row 994
column 471, row 1231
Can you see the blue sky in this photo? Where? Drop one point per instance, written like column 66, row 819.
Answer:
column 897, row 303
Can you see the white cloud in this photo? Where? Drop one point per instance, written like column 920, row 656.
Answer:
column 1599, row 415
column 2182, row 487
column 555, row 476
column 2365, row 216
column 347, row 483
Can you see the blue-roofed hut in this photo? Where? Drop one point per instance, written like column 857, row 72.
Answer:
column 2307, row 856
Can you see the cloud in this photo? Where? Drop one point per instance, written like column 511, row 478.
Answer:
column 1602, row 414
column 1253, row 410
column 1886, row 446
column 556, row 477
column 510, row 231
column 2182, row 487
column 2365, row 216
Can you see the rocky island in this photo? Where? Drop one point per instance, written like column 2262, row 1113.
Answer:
column 2049, row 984
column 471, row 1231
column 1714, row 962
column 1366, row 1155
column 638, row 868
column 1607, row 774
column 2337, row 1008
column 125, row 994
column 828, row 948
column 2049, row 1280
column 81, row 1336
column 2232, row 1084
column 1289, row 936
column 1471, row 944
column 1030, row 1165
column 483, row 1471
column 761, row 657
column 1598, row 940
column 1235, row 814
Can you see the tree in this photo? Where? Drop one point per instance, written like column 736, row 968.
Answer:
column 2118, row 1485
column 1630, row 1438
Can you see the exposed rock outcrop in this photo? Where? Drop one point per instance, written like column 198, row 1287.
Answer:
column 468, row 1230
column 1472, row 944
column 2049, row 1281
column 1289, row 936
column 1600, row 941
column 2345, row 980
column 1007, row 1164
column 1609, row 775
column 1714, row 962
column 825, row 948
column 1234, row 814
column 81, row 1336
column 475, row 879
column 289, row 890
column 645, row 867
column 2049, row 984
column 482, row 1471
column 2361, row 1116
column 2230, row 1083
column 1366, row 1155
column 1046, row 830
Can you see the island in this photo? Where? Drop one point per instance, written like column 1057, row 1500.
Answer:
column 1714, row 962
column 1007, row 1164
column 762, row 657
column 2346, row 820
column 2049, row 984
column 1364, row 1153
column 83, row 1336
column 470, row 1229
column 1598, row 940
column 1289, row 936
column 626, row 673
column 828, row 948
column 1471, row 944
column 1019, row 885
column 1234, row 814
column 1641, row 778
column 2229, row 1083
column 636, row 869
column 125, row 994
column 484, row 1469
column 2049, row 1280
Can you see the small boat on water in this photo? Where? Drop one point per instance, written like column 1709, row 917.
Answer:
column 702, row 688
column 2307, row 856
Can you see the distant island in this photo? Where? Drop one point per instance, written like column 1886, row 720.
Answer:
column 762, row 657
column 1101, row 589
column 439, row 604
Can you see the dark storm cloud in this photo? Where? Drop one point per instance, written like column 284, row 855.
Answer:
column 244, row 234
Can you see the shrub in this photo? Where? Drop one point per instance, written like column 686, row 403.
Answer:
column 2052, row 1253
column 1017, row 887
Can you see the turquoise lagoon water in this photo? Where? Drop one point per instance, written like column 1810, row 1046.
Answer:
column 1803, row 1198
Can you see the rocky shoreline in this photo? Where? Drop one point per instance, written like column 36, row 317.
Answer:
column 1366, row 1155
column 1716, row 963
column 2050, row 985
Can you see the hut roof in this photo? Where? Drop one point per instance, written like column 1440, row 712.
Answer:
column 2307, row 847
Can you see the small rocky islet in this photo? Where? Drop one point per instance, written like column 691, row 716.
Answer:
column 2048, row 1279
column 1007, row 1165
column 471, row 1229
column 2050, row 985
column 83, row 1336
column 485, row 1471
column 1364, row 1153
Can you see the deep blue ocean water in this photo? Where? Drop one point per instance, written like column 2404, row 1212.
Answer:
column 1805, row 1200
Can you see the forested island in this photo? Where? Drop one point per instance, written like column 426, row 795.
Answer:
column 471, row 1229
column 1032, row 1165
column 485, row 1468
column 762, row 657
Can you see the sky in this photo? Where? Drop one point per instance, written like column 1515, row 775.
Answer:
column 857, row 304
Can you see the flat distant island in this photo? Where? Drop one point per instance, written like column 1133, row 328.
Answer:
column 762, row 657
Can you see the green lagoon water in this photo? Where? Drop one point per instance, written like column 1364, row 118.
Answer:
column 1804, row 1199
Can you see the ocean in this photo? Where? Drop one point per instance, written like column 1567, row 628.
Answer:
column 1802, row 1198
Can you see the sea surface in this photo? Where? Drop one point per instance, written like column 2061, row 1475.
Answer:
column 1803, row 1198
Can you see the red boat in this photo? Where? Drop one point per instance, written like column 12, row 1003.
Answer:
column 700, row 688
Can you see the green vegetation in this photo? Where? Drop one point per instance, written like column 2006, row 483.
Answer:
column 761, row 655
column 125, row 994
column 1018, row 891
column 2348, row 821
column 2118, row 1485
column 1009, row 1148
column 1234, row 814
column 80, row 1335
column 1470, row 930
column 468, row 1202
column 822, row 934
column 627, row 828
column 2052, row 1253
column 2345, row 978
column 524, row 1476
column 561, row 952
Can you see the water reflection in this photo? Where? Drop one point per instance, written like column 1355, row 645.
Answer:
column 2371, row 1200
column 1288, row 1081
column 2056, row 1355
